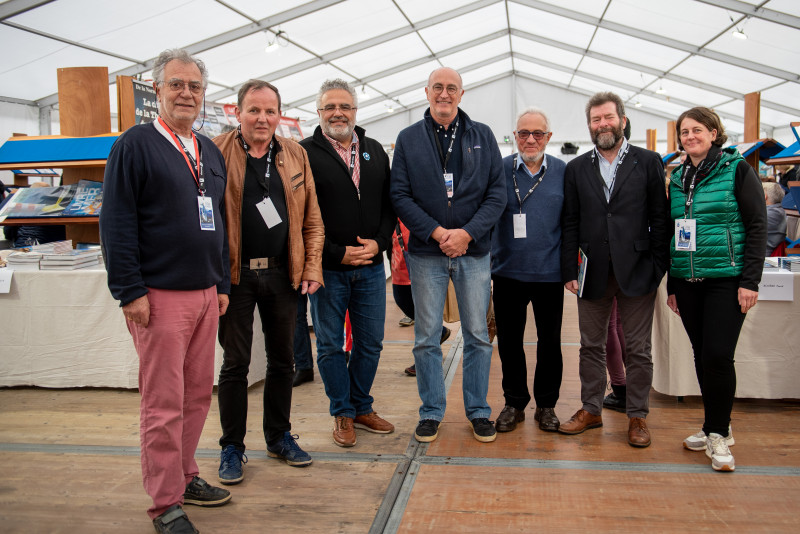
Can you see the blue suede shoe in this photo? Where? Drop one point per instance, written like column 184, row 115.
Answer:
column 289, row 451
column 230, row 465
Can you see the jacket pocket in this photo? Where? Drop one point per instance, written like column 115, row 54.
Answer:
column 295, row 186
column 296, row 176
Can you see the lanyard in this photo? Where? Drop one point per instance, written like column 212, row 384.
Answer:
column 246, row 147
column 595, row 157
column 690, row 194
column 352, row 159
column 516, row 187
column 190, row 161
column 442, row 157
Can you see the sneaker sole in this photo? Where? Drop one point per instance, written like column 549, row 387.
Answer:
column 290, row 462
column 373, row 430
column 484, row 439
column 426, row 439
column 208, row 504
column 725, row 468
column 230, row 481
column 697, row 448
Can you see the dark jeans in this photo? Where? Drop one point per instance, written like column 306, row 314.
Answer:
column 302, row 340
column 713, row 319
column 511, row 298
column 271, row 291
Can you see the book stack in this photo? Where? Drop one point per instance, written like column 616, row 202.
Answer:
column 70, row 261
column 790, row 263
column 24, row 261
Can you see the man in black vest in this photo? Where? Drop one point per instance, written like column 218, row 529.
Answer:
column 616, row 213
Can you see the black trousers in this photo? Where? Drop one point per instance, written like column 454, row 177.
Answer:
column 511, row 298
column 271, row 291
column 713, row 319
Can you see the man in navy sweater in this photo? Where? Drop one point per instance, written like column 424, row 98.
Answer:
column 526, row 268
column 163, row 233
column 448, row 189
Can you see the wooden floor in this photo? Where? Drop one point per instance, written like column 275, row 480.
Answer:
column 71, row 464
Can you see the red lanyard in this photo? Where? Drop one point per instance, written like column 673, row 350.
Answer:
column 190, row 161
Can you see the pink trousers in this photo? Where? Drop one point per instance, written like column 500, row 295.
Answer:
column 176, row 378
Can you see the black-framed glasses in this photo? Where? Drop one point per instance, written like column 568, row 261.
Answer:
column 177, row 86
column 537, row 134
column 438, row 88
column 345, row 108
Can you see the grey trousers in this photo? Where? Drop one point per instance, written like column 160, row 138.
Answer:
column 636, row 315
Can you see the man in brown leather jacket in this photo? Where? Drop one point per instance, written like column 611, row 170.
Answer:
column 275, row 236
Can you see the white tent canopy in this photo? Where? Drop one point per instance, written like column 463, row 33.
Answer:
column 661, row 56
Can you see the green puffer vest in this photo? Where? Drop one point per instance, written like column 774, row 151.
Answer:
column 720, row 230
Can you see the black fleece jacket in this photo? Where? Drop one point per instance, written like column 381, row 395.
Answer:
column 346, row 216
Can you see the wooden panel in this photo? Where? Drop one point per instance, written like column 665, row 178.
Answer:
column 54, row 164
column 651, row 139
column 83, row 103
column 672, row 138
column 126, row 107
column 752, row 124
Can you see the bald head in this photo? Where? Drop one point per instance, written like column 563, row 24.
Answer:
column 444, row 93
column 447, row 70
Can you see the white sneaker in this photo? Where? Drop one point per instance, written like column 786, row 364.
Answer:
column 697, row 442
column 717, row 450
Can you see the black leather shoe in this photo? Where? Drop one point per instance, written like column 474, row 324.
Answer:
column 508, row 419
column 612, row 402
column 301, row 376
column 548, row 421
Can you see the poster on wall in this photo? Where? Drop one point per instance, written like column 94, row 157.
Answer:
column 145, row 102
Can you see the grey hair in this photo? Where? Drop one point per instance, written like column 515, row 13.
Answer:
column 774, row 192
column 338, row 83
column 536, row 111
column 181, row 55
column 598, row 99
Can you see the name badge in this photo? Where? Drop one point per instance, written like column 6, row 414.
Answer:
column 520, row 228
column 448, row 184
column 686, row 235
column 205, row 208
column 268, row 212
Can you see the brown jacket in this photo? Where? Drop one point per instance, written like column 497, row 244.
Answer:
column 306, row 231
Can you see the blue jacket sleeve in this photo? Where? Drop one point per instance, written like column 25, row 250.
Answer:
column 494, row 197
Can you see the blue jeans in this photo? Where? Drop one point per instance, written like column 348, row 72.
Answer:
column 362, row 291
column 471, row 279
column 302, row 341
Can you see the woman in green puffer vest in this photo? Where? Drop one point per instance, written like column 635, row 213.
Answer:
column 717, row 255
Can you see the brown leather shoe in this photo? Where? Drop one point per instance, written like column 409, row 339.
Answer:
column 508, row 419
column 638, row 435
column 371, row 422
column 582, row 420
column 344, row 435
column 548, row 421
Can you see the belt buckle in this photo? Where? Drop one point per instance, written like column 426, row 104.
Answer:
column 693, row 280
column 260, row 263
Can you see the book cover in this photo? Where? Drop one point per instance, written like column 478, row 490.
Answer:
column 40, row 201
column 583, row 262
column 87, row 200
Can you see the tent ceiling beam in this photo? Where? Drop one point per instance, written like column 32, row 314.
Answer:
column 756, row 12
column 13, row 8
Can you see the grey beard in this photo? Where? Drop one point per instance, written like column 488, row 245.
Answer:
column 605, row 141
column 345, row 132
column 528, row 159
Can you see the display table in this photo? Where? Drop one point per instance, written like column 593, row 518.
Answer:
column 767, row 355
column 63, row 329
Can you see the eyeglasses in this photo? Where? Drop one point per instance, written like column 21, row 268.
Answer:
column 438, row 88
column 177, row 86
column 345, row 108
column 537, row 134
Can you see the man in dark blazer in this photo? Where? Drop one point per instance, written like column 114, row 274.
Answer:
column 616, row 213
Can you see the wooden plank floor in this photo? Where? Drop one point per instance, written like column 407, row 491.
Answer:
column 71, row 464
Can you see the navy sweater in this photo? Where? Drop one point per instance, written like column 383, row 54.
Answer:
column 150, row 225
column 418, row 191
column 537, row 258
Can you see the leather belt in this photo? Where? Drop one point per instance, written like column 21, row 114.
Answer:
column 265, row 263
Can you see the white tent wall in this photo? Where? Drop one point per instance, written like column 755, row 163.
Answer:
column 491, row 104
column 16, row 118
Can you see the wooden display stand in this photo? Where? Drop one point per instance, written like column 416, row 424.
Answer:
column 84, row 110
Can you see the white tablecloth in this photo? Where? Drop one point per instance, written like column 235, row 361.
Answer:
column 767, row 355
column 63, row 329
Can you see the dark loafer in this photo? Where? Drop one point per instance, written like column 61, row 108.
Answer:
column 508, row 419
column 548, row 421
